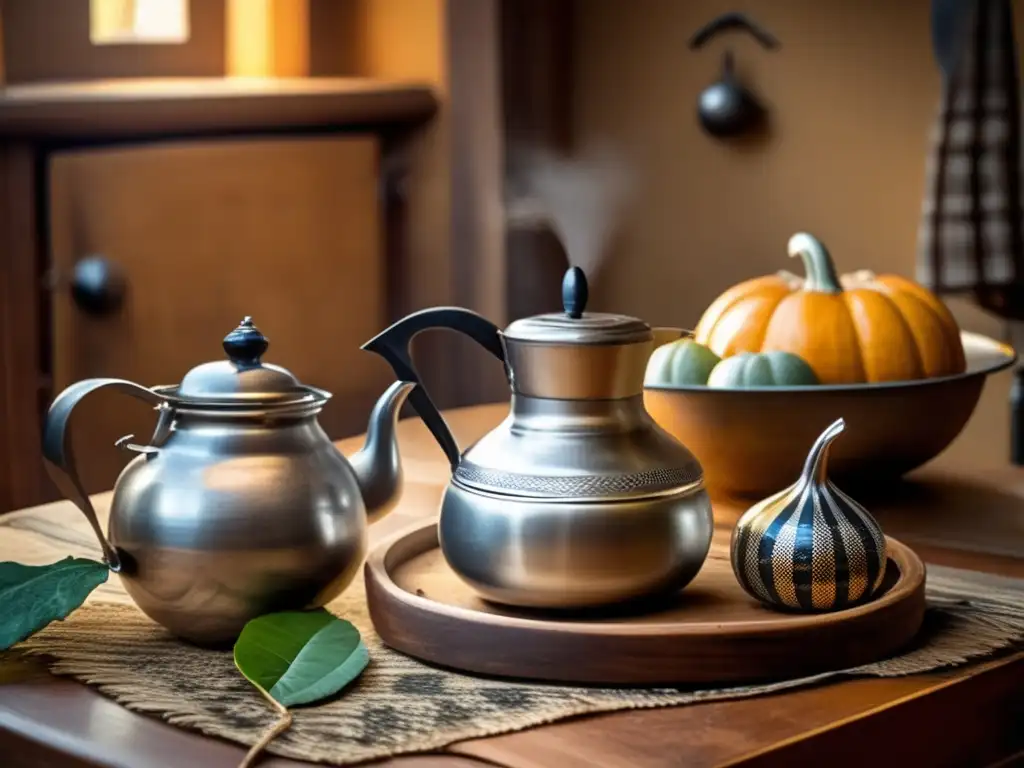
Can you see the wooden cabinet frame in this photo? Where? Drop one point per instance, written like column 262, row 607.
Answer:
column 38, row 120
column 504, row 79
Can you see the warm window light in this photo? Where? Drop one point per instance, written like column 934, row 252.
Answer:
column 138, row 21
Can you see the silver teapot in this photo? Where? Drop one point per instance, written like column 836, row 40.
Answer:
column 578, row 499
column 239, row 504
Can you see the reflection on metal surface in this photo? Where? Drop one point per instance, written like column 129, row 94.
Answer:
column 239, row 506
column 535, row 553
column 577, row 498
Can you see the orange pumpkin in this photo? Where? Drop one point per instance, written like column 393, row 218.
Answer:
column 858, row 328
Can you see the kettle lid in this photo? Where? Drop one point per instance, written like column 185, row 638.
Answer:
column 576, row 326
column 243, row 377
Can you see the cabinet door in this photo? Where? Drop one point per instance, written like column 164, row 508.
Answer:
column 204, row 233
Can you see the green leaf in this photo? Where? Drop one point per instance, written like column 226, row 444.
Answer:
column 31, row 596
column 298, row 657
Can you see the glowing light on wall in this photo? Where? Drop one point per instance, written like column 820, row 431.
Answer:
column 267, row 38
column 138, row 21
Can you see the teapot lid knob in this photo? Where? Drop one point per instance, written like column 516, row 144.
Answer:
column 574, row 292
column 246, row 344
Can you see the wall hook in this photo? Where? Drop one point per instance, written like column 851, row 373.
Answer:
column 727, row 108
column 733, row 20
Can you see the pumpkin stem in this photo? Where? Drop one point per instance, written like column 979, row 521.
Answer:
column 821, row 272
column 816, row 467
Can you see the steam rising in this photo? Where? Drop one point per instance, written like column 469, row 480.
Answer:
column 581, row 198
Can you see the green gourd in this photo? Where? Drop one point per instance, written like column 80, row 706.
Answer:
column 680, row 363
column 764, row 369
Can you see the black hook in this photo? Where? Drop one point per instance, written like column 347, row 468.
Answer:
column 733, row 20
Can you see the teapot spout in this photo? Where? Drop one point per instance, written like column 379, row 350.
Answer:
column 377, row 465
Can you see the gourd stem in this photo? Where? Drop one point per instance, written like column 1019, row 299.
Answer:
column 821, row 272
column 816, row 467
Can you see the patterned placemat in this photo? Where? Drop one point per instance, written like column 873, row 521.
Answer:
column 402, row 706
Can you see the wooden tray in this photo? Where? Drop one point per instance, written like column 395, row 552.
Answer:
column 712, row 632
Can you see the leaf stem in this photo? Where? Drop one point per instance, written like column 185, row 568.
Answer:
column 282, row 724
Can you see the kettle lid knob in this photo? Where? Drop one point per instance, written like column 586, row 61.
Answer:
column 246, row 344
column 575, row 292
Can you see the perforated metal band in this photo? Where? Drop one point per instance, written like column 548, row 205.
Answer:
column 580, row 486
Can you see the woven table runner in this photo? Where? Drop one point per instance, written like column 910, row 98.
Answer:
column 402, row 706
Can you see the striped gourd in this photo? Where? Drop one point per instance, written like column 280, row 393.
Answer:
column 810, row 547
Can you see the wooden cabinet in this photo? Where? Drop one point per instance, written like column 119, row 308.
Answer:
column 203, row 233
column 380, row 193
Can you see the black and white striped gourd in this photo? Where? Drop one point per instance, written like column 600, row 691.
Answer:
column 810, row 547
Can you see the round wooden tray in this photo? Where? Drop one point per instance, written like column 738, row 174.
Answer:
column 711, row 632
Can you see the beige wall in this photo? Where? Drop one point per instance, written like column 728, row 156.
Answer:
column 852, row 92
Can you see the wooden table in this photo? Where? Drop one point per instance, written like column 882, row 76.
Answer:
column 966, row 510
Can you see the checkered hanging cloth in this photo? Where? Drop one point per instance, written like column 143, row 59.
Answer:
column 972, row 233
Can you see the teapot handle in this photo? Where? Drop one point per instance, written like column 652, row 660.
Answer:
column 59, row 458
column 393, row 345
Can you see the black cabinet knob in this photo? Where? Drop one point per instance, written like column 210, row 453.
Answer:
column 98, row 286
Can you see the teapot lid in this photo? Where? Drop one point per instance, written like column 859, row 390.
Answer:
column 243, row 377
column 576, row 326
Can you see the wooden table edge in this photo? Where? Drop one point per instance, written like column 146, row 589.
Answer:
column 845, row 734
column 773, row 753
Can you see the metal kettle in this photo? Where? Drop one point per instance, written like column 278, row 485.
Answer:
column 578, row 499
column 239, row 504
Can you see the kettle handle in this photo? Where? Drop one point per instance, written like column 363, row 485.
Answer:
column 393, row 345
column 59, row 457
